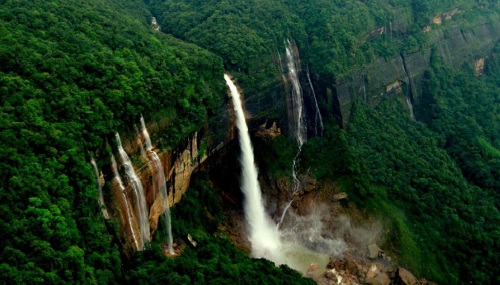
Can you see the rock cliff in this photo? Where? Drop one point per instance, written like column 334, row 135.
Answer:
column 457, row 42
column 177, row 165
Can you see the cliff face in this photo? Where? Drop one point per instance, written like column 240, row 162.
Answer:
column 370, row 84
column 177, row 166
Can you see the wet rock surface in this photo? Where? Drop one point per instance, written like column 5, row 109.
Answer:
column 349, row 270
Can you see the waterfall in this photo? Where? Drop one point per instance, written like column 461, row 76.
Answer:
column 161, row 185
column 408, row 88
column 410, row 107
column 154, row 24
column 140, row 197
column 145, row 134
column 101, row 197
column 263, row 236
column 128, row 219
column 317, row 117
column 298, row 127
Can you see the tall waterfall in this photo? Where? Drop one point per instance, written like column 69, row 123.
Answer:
column 263, row 236
column 161, row 185
column 127, row 220
column 140, row 197
column 297, row 114
column 101, row 197
column 297, row 118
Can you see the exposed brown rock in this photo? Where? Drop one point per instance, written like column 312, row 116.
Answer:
column 340, row 196
column 269, row 132
column 404, row 277
column 178, row 177
column 479, row 67
column 310, row 185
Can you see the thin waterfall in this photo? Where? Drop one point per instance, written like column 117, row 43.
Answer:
column 128, row 218
column 140, row 197
column 410, row 107
column 300, row 128
column 104, row 210
column 408, row 87
column 161, row 185
column 317, row 117
column 154, row 24
column 145, row 134
column 263, row 236
column 139, row 141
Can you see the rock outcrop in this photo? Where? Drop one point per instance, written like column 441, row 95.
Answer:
column 177, row 166
column 178, row 175
column 349, row 270
column 456, row 44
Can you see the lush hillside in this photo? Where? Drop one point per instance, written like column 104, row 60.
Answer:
column 73, row 73
column 335, row 35
column 437, row 183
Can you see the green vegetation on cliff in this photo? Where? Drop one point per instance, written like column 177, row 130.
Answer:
column 73, row 73
column 334, row 36
column 215, row 260
column 436, row 184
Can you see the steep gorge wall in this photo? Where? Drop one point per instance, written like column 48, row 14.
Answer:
column 177, row 164
column 373, row 82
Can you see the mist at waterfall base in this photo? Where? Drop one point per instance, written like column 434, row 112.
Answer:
column 263, row 235
column 301, row 240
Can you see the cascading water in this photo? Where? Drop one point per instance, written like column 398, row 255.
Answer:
column 101, row 197
column 298, row 128
column 318, row 120
column 410, row 107
column 127, row 220
column 154, row 24
column 297, row 112
column 140, row 197
column 161, row 185
column 285, row 246
column 263, row 235
column 409, row 87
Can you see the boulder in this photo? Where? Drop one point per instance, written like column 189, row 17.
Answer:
column 374, row 251
column 405, row 277
column 310, row 186
column 379, row 279
column 340, row 196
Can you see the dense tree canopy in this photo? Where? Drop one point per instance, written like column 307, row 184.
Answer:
column 437, row 182
column 72, row 73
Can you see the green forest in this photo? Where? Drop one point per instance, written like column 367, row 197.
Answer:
column 74, row 73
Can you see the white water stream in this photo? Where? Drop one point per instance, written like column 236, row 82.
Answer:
column 140, row 197
column 263, row 235
column 104, row 210
column 298, row 115
column 128, row 219
column 161, row 185
column 267, row 241
column 297, row 100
